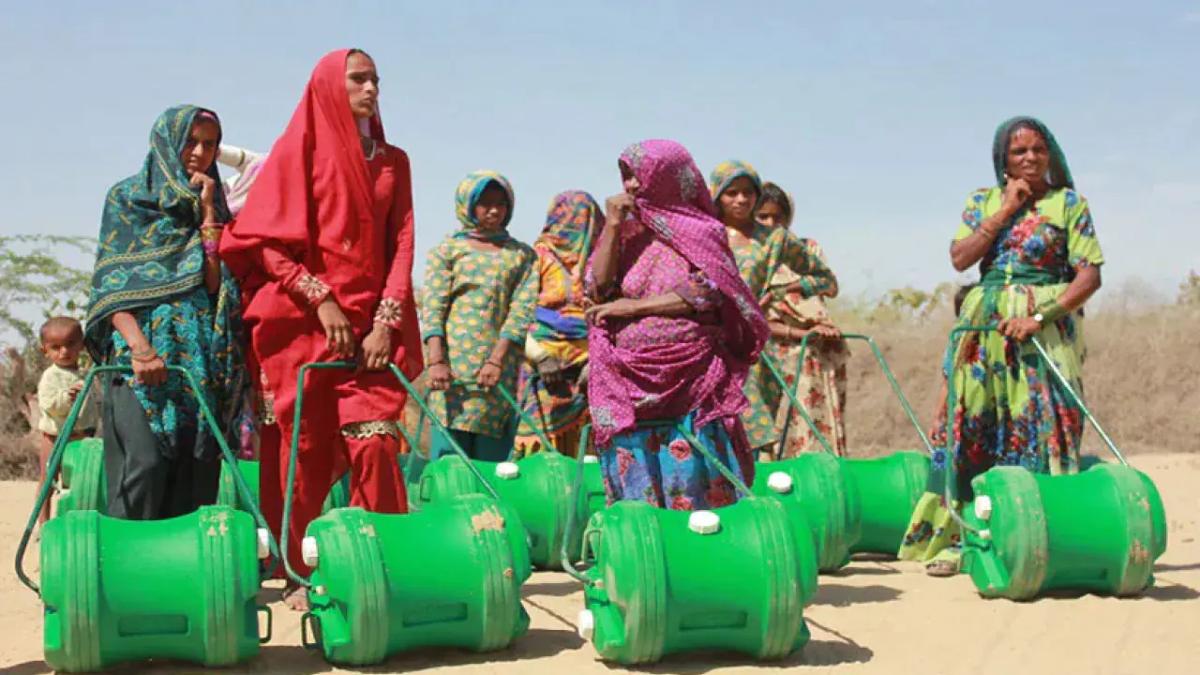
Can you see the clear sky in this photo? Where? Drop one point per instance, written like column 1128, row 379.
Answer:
column 877, row 119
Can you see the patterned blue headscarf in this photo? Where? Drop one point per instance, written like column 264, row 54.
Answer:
column 150, row 262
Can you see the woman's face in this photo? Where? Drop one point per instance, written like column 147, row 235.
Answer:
column 629, row 182
column 201, row 147
column 1028, row 157
column 362, row 85
column 737, row 201
column 771, row 214
column 492, row 208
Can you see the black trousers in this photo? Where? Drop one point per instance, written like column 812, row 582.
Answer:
column 144, row 483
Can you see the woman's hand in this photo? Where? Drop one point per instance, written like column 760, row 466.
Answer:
column 377, row 348
column 208, row 188
column 618, row 207
column 488, row 375
column 827, row 331
column 150, row 371
column 1016, row 192
column 439, row 376
column 339, row 336
column 617, row 309
column 1020, row 328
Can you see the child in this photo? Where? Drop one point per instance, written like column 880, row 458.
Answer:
column 480, row 291
column 61, row 383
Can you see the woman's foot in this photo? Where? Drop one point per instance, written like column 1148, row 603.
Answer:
column 295, row 598
column 942, row 568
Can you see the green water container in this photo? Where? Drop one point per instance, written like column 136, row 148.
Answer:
column 449, row 575
column 828, row 496
column 888, row 490
column 735, row 578
column 1097, row 531
column 83, row 482
column 120, row 590
column 538, row 488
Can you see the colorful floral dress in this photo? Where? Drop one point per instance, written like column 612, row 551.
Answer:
column 767, row 250
column 473, row 298
column 1007, row 409
column 820, row 382
column 658, row 465
column 557, row 341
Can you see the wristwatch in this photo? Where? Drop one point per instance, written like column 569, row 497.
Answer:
column 1040, row 318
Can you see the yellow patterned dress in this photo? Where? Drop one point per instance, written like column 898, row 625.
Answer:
column 473, row 298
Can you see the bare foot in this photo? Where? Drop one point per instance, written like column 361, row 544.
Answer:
column 295, row 598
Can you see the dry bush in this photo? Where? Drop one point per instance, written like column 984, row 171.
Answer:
column 1140, row 379
column 18, row 446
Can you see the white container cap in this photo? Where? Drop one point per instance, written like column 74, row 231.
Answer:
column 985, row 534
column 983, row 507
column 590, row 459
column 507, row 470
column 780, row 482
column 704, row 522
column 264, row 543
column 586, row 624
column 308, row 551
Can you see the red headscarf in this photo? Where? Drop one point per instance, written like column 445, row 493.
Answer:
column 314, row 201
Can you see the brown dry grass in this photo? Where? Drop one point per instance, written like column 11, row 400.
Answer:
column 1141, row 379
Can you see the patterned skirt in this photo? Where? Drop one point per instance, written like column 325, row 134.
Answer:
column 660, row 467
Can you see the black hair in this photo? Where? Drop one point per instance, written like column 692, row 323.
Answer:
column 774, row 194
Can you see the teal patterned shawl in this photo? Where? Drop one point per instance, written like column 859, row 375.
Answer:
column 150, row 262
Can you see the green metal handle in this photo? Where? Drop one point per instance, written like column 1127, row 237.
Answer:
column 547, row 444
column 585, row 436
column 64, row 436
column 793, row 399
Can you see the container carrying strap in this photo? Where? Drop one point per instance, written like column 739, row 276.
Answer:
column 794, row 400
column 60, row 445
column 956, row 340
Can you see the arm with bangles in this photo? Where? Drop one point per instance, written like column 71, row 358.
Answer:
column 395, row 301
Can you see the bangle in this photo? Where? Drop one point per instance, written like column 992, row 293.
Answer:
column 211, row 247
column 144, row 356
column 436, row 363
column 493, row 363
column 1051, row 310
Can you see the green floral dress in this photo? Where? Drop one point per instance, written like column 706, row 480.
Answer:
column 1007, row 408
column 766, row 251
column 472, row 299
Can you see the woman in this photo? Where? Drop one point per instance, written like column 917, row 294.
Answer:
column 1039, row 262
column 672, row 337
column 820, row 382
column 760, row 251
column 325, row 241
column 556, row 347
column 480, row 290
column 160, row 298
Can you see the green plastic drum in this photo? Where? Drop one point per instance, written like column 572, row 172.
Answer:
column 84, row 485
column 828, row 497
column 1097, row 531
column 735, row 578
column 449, row 575
column 120, row 590
column 538, row 488
column 888, row 490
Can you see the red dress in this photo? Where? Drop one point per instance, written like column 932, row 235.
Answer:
column 324, row 219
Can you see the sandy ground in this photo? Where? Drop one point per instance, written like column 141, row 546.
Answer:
column 874, row 617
